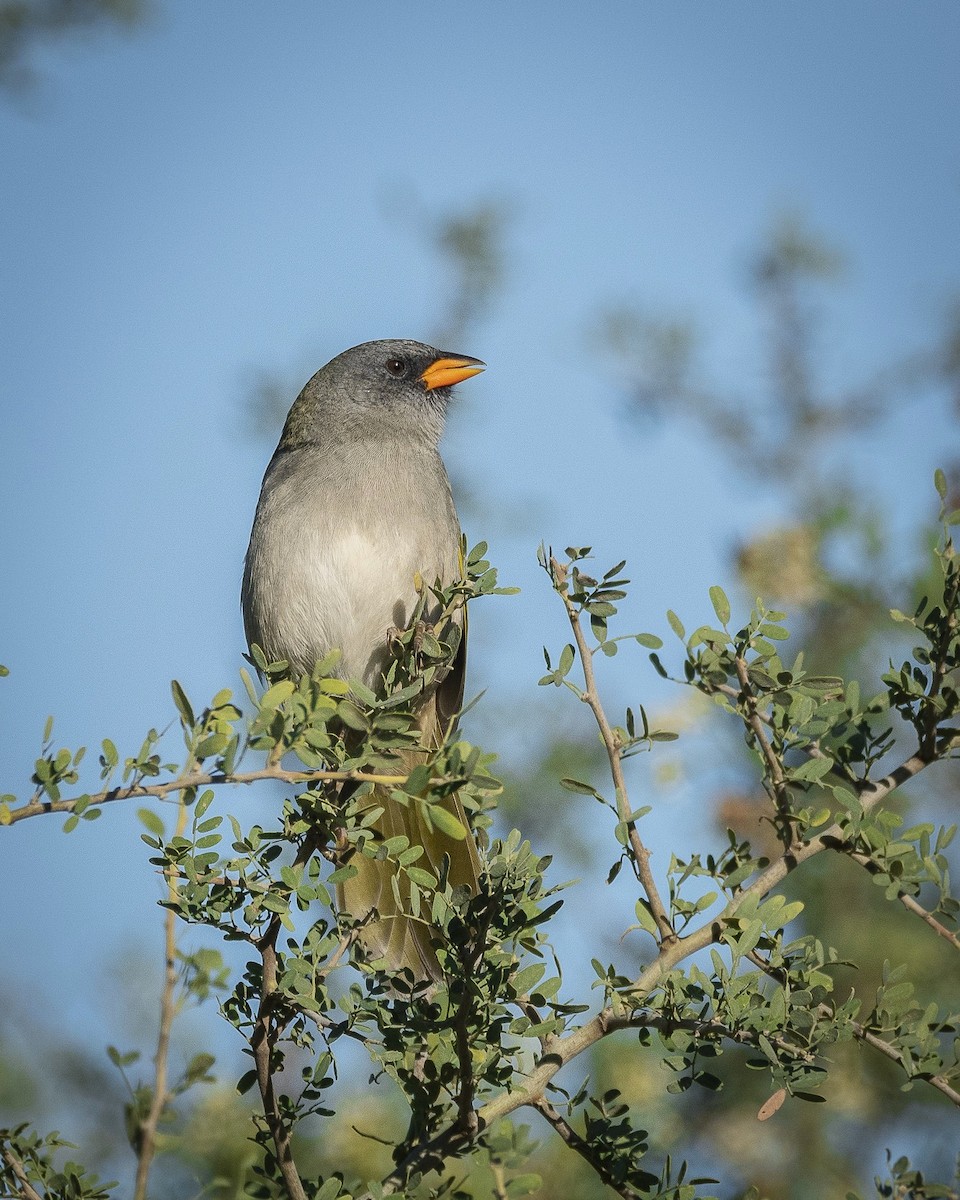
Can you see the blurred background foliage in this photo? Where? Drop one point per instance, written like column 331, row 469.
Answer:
column 834, row 560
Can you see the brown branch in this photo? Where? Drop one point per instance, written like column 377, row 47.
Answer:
column 951, row 600
column 264, row 1037
column 582, row 1147
column 26, row 1189
column 562, row 1050
column 755, row 722
column 891, row 1052
column 591, row 696
column 499, row 1182
column 467, row 1090
column 147, row 1140
column 909, row 902
column 261, row 1043
column 862, row 1034
column 195, row 779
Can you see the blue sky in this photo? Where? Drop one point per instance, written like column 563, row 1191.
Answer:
column 211, row 196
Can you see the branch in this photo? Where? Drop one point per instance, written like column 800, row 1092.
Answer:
column 591, row 696
column 562, row 1050
column 582, row 1147
column 755, row 722
column 908, row 901
column 862, row 1034
column 195, row 779
column 262, row 1043
column 264, row 1038
column 17, row 1169
column 147, row 1141
column 937, row 1081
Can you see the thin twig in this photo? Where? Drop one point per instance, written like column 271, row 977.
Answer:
column 862, row 1034
column 724, row 689
column 27, row 1190
column 466, row 1091
column 778, row 780
column 196, row 779
column 908, row 902
column 499, row 1182
column 264, row 1037
column 891, row 1052
column 262, row 1043
column 591, row 696
column 564, row 1049
column 147, row 1140
column 582, row 1147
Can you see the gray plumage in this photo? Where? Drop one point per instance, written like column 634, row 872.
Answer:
column 354, row 511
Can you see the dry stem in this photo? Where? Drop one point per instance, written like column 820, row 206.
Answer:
column 196, row 779
column 27, row 1190
column 591, row 696
column 147, row 1143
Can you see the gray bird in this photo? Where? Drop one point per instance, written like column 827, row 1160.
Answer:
column 355, row 514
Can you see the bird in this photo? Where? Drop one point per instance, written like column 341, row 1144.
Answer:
column 355, row 518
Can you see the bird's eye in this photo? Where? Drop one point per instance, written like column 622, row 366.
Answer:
column 396, row 366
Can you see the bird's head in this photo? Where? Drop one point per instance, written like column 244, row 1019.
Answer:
column 378, row 385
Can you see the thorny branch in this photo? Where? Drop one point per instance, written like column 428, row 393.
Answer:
column 26, row 1189
column 582, row 1147
column 147, row 1139
column 591, row 696
column 780, row 791
column 562, row 1050
column 909, row 902
column 263, row 1041
column 191, row 780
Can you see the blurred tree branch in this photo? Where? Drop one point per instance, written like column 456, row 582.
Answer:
column 26, row 24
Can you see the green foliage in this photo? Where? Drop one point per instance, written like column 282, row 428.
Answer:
column 732, row 967
column 26, row 1162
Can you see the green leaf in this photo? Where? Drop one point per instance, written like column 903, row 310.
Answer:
column 447, row 823
column 122, row 1060
column 352, row 717
column 812, row 770
column 203, row 803
column 646, row 918
column 150, row 820
column 524, row 1185
column 420, row 876
column 273, row 697
column 329, row 1191
column 676, row 624
column 246, row 1082
column 184, row 707
column 650, row 640
column 525, row 980
column 658, row 666
column 574, row 785
column 721, row 605
column 940, row 483
column 333, row 686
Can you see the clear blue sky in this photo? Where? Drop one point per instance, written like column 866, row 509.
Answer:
column 210, row 197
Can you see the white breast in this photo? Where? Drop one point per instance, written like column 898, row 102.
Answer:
column 317, row 577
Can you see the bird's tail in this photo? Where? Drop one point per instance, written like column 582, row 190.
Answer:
column 395, row 934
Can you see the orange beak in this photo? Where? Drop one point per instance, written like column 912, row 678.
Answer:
column 450, row 369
